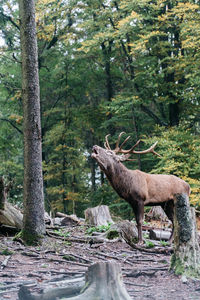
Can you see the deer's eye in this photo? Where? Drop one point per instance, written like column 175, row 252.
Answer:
column 109, row 153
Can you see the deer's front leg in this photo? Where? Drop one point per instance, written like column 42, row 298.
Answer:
column 138, row 209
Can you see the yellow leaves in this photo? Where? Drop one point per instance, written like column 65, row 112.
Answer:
column 17, row 96
column 46, row 33
column 130, row 20
column 72, row 196
column 18, row 119
column 61, row 191
column 190, row 35
column 140, row 45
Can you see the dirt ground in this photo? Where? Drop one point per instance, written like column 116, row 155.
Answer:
column 145, row 275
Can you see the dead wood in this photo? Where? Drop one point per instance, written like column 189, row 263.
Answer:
column 5, row 262
column 157, row 213
column 103, row 281
column 186, row 257
column 87, row 240
column 11, row 216
column 158, row 250
column 52, row 290
column 68, row 220
column 146, row 272
column 129, row 234
column 97, row 216
column 160, row 235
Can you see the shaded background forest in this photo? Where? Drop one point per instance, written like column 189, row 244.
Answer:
column 105, row 67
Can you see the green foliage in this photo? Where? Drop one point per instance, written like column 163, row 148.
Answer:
column 100, row 228
column 6, row 251
column 163, row 243
column 61, row 232
column 179, row 148
column 128, row 66
column 149, row 244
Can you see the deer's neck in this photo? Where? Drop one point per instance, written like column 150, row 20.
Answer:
column 119, row 177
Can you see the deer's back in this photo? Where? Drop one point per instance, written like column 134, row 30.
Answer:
column 157, row 188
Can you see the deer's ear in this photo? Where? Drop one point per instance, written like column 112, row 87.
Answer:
column 123, row 157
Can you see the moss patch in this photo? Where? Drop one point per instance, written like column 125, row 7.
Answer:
column 177, row 265
column 179, row 269
column 112, row 234
column 31, row 239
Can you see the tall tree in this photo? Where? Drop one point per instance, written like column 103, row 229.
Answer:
column 33, row 223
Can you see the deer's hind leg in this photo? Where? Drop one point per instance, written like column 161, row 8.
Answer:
column 168, row 208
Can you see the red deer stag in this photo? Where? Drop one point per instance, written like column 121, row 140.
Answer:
column 139, row 189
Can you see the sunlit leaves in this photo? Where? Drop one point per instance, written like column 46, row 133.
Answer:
column 180, row 155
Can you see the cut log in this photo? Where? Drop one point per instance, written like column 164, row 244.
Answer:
column 159, row 235
column 186, row 257
column 97, row 216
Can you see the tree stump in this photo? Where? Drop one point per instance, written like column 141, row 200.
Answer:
column 157, row 213
column 186, row 257
column 97, row 216
column 103, row 282
column 123, row 229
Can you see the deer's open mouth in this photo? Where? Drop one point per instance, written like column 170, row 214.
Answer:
column 94, row 151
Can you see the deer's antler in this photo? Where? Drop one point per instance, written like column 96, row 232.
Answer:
column 118, row 149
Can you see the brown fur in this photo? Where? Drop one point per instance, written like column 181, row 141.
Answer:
column 139, row 188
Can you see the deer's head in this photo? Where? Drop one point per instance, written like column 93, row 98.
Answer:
column 106, row 157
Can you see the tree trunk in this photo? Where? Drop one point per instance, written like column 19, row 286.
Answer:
column 2, row 193
column 186, row 257
column 33, row 222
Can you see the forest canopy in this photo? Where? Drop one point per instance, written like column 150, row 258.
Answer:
column 105, row 67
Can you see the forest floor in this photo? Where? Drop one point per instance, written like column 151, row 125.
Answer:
column 145, row 275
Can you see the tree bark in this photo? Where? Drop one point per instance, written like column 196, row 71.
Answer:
column 33, row 222
column 186, row 257
column 2, row 194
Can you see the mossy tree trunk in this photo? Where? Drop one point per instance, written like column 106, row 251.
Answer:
column 33, row 222
column 2, row 194
column 186, row 257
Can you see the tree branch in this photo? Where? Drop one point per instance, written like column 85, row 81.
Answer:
column 12, row 124
column 8, row 18
column 149, row 112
